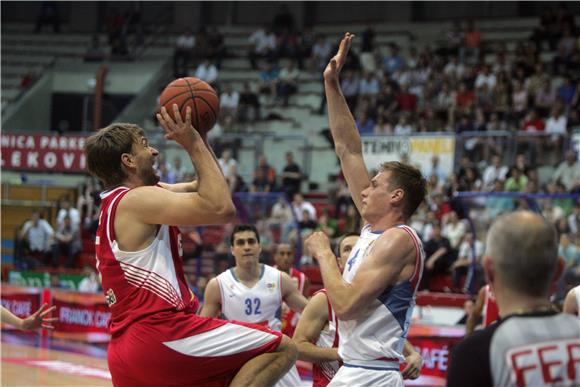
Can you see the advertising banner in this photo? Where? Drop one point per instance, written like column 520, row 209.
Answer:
column 419, row 149
column 36, row 152
column 80, row 312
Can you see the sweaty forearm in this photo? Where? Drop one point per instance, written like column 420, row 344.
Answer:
column 342, row 124
column 337, row 289
column 310, row 352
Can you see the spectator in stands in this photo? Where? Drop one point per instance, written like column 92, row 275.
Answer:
column 67, row 210
column 369, row 86
column 327, row 224
column 485, row 77
column 439, row 256
column 95, row 52
column 471, row 45
column 320, row 54
column 497, row 205
column 393, row 62
column 208, row 72
column 178, row 169
column 166, row 174
column 264, row 177
column 464, row 98
column 263, row 45
column 470, row 252
column 49, row 15
column 544, row 98
column 306, row 224
column 574, row 219
column 566, row 92
column 453, row 229
column 382, row 126
column 229, row 102
column 454, row 38
column 287, row 82
column 556, row 125
column 403, row 127
column 90, row 283
column 291, row 176
column 568, row 172
column 517, row 181
column 519, row 100
column 299, row 205
column 226, row 161
column 269, row 77
column 406, row 101
column 235, row 181
column 569, row 252
column 217, row 47
column 67, row 242
column 493, row 172
column 202, row 48
column 365, row 123
column 282, row 218
column 249, row 104
column 350, row 89
column 184, row 47
column 566, row 49
column 34, row 242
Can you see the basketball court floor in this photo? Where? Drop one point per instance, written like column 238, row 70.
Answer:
column 29, row 360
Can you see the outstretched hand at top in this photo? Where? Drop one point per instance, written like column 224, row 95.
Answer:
column 333, row 68
column 177, row 129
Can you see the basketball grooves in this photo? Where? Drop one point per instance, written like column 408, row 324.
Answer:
column 208, row 105
column 196, row 123
column 163, row 103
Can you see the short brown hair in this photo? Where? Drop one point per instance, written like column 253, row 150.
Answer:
column 104, row 150
column 410, row 180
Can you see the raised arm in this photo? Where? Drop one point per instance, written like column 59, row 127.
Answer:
column 212, row 301
column 475, row 312
column 211, row 204
column 291, row 295
column 312, row 321
column 347, row 142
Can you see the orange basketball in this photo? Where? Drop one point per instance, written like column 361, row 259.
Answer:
column 198, row 95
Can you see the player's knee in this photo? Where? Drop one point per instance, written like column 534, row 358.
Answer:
column 289, row 348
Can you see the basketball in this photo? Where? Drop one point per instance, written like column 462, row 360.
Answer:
column 197, row 94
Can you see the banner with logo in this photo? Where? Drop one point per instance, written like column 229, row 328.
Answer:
column 80, row 312
column 36, row 152
column 21, row 301
column 419, row 150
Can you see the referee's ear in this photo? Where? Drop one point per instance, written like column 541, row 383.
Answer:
column 489, row 270
column 559, row 270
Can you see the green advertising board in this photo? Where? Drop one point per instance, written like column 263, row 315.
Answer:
column 43, row 279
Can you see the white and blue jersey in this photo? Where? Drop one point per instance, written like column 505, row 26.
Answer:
column 260, row 304
column 375, row 339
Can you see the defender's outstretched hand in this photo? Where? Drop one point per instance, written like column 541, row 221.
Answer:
column 335, row 65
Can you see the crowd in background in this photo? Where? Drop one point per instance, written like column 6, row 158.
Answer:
column 462, row 85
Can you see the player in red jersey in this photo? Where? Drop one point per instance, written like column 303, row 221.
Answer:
column 156, row 337
column 284, row 259
column 484, row 305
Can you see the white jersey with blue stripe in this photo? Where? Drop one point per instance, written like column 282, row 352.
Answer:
column 376, row 338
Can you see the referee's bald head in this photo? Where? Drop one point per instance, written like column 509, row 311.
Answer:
column 524, row 249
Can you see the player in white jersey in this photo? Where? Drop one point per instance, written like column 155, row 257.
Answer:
column 374, row 298
column 253, row 292
column 572, row 302
column 317, row 333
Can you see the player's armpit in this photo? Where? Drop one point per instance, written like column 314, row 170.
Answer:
column 155, row 205
column 212, row 300
column 391, row 254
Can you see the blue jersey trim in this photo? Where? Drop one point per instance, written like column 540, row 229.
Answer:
column 371, row 368
column 398, row 300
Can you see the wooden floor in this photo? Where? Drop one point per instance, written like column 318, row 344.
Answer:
column 28, row 366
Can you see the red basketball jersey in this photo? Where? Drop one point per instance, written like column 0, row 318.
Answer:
column 290, row 319
column 138, row 284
